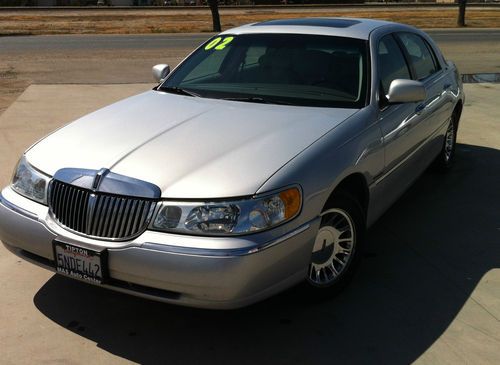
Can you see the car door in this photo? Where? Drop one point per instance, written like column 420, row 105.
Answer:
column 401, row 126
column 437, row 107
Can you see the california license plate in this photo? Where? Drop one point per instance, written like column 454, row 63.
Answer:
column 79, row 262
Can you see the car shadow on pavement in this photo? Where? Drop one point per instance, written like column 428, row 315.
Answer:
column 425, row 257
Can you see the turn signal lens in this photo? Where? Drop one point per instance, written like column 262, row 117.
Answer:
column 291, row 199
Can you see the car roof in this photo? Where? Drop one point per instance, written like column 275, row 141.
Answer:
column 341, row 27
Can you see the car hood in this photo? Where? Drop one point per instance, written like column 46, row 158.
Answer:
column 189, row 147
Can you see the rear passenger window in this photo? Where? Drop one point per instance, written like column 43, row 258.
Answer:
column 421, row 56
column 391, row 63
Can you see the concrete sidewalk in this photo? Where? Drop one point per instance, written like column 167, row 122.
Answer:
column 428, row 290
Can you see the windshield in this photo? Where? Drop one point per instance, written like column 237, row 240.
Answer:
column 296, row 69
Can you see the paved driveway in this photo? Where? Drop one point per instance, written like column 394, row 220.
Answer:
column 428, row 290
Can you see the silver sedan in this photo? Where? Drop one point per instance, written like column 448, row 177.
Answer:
column 257, row 164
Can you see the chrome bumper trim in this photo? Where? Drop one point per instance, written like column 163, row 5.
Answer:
column 17, row 209
column 192, row 251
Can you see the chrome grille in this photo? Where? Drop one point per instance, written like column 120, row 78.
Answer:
column 99, row 214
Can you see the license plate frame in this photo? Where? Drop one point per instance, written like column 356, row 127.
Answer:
column 80, row 262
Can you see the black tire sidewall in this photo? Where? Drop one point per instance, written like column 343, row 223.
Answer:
column 441, row 164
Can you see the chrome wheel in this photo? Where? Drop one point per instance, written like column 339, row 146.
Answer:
column 449, row 142
column 333, row 248
column 445, row 159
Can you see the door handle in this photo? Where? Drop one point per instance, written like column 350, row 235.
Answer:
column 420, row 108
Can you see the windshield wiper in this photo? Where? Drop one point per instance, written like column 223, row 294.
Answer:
column 258, row 99
column 178, row 91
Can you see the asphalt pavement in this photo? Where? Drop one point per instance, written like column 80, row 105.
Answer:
column 473, row 50
column 190, row 40
column 62, row 43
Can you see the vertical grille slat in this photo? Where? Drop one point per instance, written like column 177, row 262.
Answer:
column 130, row 218
column 72, row 207
column 112, row 216
column 99, row 205
column 118, row 219
column 121, row 219
column 82, row 212
column 137, row 215
column 61, row 198
column 93, row 216
column 82, row 222
column 102, row 214
column 126, row 212
column 76, row 213
column 67, row 204
column 63, row 204
column 109, row 218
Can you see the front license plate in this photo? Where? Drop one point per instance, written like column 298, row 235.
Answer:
column 79, row 262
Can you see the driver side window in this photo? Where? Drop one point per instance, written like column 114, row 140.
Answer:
column 391, row 65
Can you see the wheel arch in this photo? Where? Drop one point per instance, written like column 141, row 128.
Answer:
column 458, row 112
column 355, row 185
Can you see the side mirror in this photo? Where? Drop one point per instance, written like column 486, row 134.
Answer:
column 406, row 91
column 160, row 72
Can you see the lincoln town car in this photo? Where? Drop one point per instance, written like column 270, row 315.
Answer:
column 255, row 165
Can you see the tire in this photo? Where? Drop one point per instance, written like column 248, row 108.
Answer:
column 338, row 247
column 444, row 161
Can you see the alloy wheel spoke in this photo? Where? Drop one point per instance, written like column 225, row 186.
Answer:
column 342, row 250
column 333, row 269
column 329, row 265
column 338, row 260
column 318, row 275
column 342, row 240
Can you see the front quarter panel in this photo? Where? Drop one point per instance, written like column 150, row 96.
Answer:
column 354, row 146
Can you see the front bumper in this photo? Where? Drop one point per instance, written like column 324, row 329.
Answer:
column 208, row 272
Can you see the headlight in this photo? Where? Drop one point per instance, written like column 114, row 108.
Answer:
column 230, row 217
column 29, row 182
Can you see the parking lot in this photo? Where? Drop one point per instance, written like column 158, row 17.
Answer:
column 428, row 290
